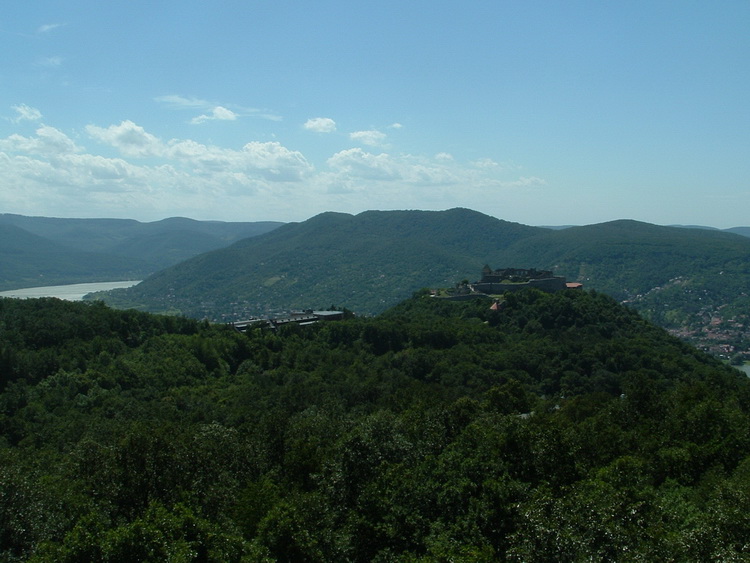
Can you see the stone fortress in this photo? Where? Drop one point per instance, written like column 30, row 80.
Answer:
column 515, row 279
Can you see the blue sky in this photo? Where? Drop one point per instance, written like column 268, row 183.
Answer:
column 544, row 113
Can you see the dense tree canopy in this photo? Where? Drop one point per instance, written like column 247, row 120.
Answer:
column 559, row 427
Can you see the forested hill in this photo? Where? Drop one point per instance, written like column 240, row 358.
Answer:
column 562, row 427
column 365, row 262
column 626, row 258
column 28, row 260
column 689, row 280
column 48, row 251
column 692, row 281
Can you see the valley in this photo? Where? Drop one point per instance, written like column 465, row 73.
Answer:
column 71, row 292
column 691, row 281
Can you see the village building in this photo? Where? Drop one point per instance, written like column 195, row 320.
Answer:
column 302, row 318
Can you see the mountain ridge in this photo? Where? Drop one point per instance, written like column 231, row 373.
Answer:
column 371, row 260
column 93, row 250
column 692, row 281
column 27, row 260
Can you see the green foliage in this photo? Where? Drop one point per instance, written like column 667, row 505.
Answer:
column 561, row 427
column 28, row 260
column 40, row 251
column 681, row 279
column 366, row 262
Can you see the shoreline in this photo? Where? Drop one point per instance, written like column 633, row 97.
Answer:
column 68, row 292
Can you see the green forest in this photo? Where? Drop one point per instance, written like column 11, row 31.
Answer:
column 692, row 282
column 559, row 427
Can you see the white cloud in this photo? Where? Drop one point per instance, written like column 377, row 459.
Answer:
column 218, row 113
column 399, row 169
column 179, row 102
column 211, row 110
column 270, row 161
column 395, row 126
column 49, row 27
column 320, row 125
column 49, row 172
column 361, row 164
column 26, row 113
column 525, row 182
column 127, row 137
column 49, row 142
column 275, row 161
column 372, row 138
column 487, row 163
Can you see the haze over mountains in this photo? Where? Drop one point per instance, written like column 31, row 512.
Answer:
column 691, row 280
column 688, row 280
column 36, row 251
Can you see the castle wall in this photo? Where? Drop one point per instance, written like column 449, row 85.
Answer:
column 546, row 284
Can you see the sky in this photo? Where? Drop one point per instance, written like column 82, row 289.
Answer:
column 537, row 112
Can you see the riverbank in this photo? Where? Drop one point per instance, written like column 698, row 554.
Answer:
column 71, row 292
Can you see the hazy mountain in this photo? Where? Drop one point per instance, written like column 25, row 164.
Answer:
column 45, row 250
column 627, row 258
column 365, row 262
column 744, row 231
column 689, row 280
column 28, row 260
column 107, row 235
column 692, row 281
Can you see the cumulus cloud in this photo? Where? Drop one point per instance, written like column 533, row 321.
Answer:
column 398, row 169
column 361, row 164
column 219, row 112
column 524, row 182
column 487, row 163
column 320, row 125
column 52, row 174
column 48, row 142
column 26, row 113
column 127, row 137
column 213, row 111
column 49, row 169
column 49, row 172
column 270, row 160
column 372, row 138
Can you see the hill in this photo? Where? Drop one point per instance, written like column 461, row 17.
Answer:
column 693, row 281
column 28, row 260
column 365, row 262
column 744, row 231
column 562, row 427
column 58, row 251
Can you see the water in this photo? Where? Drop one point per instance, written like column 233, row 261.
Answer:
column 745, row 368
column 73, row 292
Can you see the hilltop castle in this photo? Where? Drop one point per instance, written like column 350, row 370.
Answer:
column 515, row 279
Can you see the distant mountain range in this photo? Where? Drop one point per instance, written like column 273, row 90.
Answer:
column 365, row 262
column 38, row 251
column 693, row 281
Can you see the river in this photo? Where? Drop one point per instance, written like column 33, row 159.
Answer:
column 73, row 292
